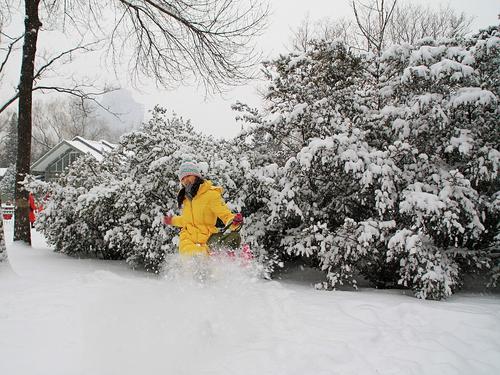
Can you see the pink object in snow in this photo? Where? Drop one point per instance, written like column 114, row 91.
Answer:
column 246, row 253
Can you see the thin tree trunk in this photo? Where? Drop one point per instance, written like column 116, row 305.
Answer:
column 3, row 249
column 22, row 230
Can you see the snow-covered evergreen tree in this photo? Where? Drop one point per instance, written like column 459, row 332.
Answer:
column 252, row 187
column 439, row 103
column 8, row 143
column 7, row 183
column 114, row 208
column 310, row 95
column 400, row 183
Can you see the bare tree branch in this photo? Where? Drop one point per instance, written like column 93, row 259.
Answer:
column 9, row 102
column 323, row 29
column 378, row 23
column 174, row 40
column 79, row 92
column 373, row 30
column 45, row 66
column 9, row 51
column 411, row 22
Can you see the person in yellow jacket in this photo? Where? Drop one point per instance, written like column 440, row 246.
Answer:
column 201, row 204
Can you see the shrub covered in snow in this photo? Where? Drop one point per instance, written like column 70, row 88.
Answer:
column 113, row 209
column 386, row 166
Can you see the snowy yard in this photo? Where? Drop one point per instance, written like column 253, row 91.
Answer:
column 60, row 315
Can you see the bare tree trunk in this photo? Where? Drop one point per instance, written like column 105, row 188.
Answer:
column 373, row 19
column 32, row 24
column 3, row 249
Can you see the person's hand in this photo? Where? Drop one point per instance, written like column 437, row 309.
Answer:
column 167, row 219
column 238, row 219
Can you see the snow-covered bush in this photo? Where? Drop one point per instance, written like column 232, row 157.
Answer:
column 311, row 94
column 254, row 177
column 385, row 166
column 440, row 103
column 113, row 208
column 431, row 272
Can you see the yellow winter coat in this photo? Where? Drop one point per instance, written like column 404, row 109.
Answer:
column 198, row 217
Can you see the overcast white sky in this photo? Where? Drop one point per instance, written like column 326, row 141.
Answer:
column 213, row 115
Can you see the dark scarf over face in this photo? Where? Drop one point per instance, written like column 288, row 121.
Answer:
column 189, row 191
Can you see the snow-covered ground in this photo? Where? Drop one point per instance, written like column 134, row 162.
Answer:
column 60, row 315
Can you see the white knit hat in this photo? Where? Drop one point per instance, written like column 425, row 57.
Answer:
column 189, row 168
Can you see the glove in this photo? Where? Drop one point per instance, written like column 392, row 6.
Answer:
column 238, row 219
column 167, row 220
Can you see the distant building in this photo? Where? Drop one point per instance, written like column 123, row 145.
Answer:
column 50, row 165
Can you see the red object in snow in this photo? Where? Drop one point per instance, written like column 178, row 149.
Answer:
column 7, row 211
column 31, row 200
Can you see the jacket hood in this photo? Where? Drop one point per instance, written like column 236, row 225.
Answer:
column 208, row 185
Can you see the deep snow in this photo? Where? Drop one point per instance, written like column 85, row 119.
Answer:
column 60, row 315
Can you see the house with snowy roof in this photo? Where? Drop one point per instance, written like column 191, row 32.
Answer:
column 53, row 162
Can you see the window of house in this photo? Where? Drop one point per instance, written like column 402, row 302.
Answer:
column 59, row 167
column 73, row 156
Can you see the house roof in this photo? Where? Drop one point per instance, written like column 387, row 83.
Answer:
column 3, row 171
column 95, row 148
